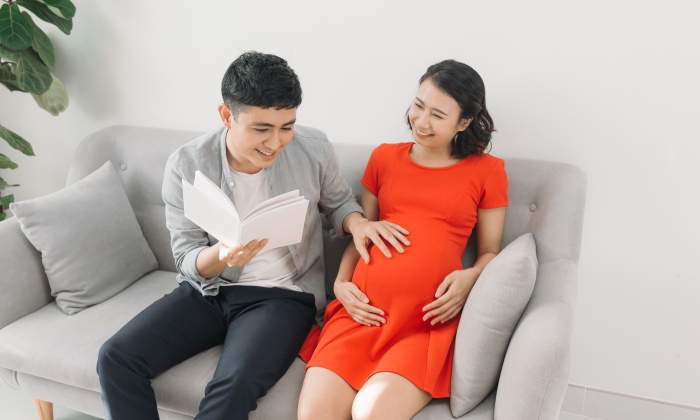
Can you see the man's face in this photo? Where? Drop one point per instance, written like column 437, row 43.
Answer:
column 257, row 136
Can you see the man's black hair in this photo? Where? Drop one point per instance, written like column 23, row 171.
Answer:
column 262, row 80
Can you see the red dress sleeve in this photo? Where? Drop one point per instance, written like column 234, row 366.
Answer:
column 371, row 177
column 494, row 193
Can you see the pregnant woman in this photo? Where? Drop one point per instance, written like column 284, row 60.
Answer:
column 387, row 345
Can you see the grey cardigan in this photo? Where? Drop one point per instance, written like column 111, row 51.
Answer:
column 308, row 164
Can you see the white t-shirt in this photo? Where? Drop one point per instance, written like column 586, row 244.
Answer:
column 274, row 268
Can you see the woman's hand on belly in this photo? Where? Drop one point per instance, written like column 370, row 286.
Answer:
column 451, row 296
column 357, row 304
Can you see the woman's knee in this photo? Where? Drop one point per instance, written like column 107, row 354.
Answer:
column 324, row 395
column 364, row 408
column 315, row 408
column 388, row 396
column 308, row 409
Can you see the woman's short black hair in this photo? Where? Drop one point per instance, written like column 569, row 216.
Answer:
column 262, row 80
column 465, row 86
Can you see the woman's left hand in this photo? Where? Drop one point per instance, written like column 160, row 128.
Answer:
column 451, row 296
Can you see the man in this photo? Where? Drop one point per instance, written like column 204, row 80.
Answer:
column 260, row 304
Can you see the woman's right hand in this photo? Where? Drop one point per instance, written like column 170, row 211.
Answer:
column 357, row 304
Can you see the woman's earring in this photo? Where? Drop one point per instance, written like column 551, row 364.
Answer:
column 455, row 139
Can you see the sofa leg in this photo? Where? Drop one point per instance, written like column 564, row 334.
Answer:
column 44, row 409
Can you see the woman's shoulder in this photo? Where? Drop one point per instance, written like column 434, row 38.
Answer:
column 392, row 146
column 489, row 162
column 491, row 159
column 487, row 165
column 389, row 150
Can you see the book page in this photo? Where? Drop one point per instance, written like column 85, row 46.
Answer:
column 251, row 216
column 208, row 187
column 202, row 210
column 281, row 226
column 271, row 202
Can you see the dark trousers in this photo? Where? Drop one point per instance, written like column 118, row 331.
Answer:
column 262, row 330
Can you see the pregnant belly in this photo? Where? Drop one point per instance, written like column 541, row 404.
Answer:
column 409, row 279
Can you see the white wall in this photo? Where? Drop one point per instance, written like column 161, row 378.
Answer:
column 609, row 86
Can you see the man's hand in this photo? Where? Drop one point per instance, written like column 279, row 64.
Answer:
column 240, row 255
column 451, row 295
column 357, row 304
column 363, row 231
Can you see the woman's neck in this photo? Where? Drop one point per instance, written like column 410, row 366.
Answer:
column 432, row 157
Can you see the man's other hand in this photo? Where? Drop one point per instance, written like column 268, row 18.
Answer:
column 363, row 231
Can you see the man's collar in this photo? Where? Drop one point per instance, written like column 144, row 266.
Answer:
column 226, row 177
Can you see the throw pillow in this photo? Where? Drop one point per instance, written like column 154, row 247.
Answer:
column 488, row 320
column 91, row 245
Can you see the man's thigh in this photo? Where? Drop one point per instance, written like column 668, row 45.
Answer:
column 263, row 340
column 172, row 329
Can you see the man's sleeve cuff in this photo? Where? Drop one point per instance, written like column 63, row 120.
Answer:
column 188, row 268
column 341, row 213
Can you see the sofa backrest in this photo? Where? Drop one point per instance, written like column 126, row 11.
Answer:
column 545, row 198
column 139, row 155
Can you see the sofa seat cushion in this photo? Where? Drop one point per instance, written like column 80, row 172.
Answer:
column 271, row 407
column 52, row 345
column 279, row 403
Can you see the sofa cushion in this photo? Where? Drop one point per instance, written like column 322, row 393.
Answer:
column 90, row 242
column 52, row 345
column 74, row 341
column 279, row 404
column 490, row 315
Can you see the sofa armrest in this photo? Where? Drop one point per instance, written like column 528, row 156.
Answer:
column 535, row 371
column 23, row 283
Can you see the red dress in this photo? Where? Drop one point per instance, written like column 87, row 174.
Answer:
column 438, row 206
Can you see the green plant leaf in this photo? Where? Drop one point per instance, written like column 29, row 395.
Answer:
column 16, row 142
column 62, row 8
column 4, row 184
column 43, row 12
column 8, row 78
column 2, row 216
column 15, row 31
column 6, row 163
column 54, row 100
column 9, row 55
column 5, row 201
column 32, row 75
column 41, row 43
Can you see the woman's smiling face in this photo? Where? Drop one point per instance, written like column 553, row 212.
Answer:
column 435, row 117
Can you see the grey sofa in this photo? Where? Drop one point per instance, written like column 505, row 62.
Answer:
column 52, row 356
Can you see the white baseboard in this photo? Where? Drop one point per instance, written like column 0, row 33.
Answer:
column 607, row 405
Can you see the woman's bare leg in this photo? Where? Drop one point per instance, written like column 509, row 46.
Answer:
column 325, row 396
column 388, row 396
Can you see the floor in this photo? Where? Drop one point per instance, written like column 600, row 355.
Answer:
column 16, row 405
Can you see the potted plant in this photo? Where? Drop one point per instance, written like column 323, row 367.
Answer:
column 26, row 59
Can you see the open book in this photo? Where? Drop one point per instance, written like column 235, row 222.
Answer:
column 280, row 219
